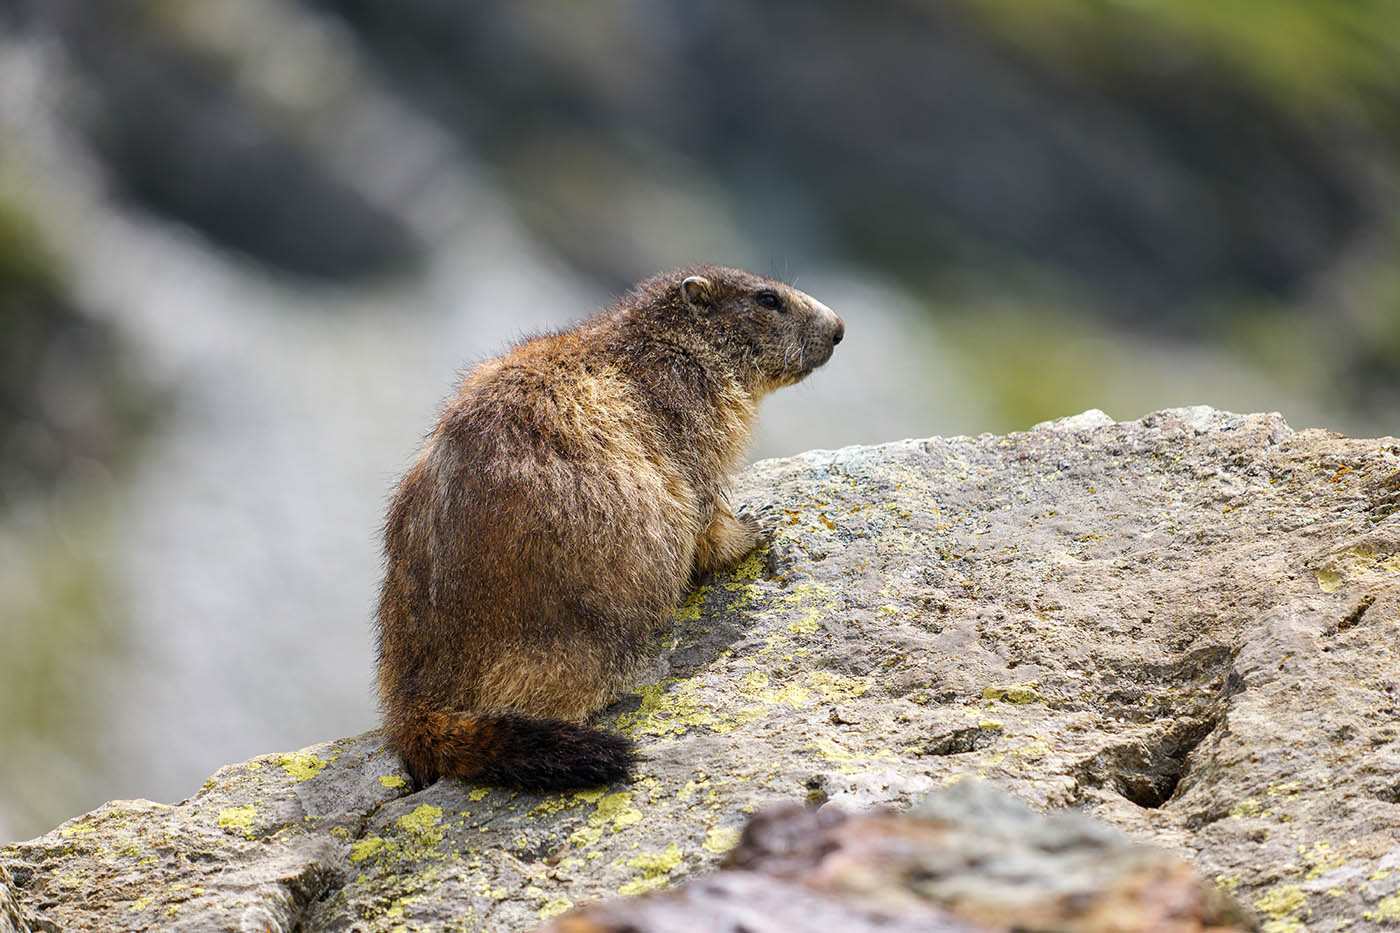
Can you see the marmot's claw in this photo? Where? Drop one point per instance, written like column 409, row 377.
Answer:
column 762, row 519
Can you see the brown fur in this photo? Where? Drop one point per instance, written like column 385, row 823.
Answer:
column 558, row 512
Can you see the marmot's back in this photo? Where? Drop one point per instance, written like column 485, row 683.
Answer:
column 562, row 504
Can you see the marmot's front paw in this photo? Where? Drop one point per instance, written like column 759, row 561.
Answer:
column 761, row 520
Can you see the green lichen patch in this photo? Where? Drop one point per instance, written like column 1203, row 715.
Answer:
column 1387, row 910
column 1329, row 581
column 694, row 604
column 238, row 818
column 750, row 568
column 1281, row 901
column 720, row 840
column 302, row 765
column 614, row 812
column 552, row 805
column 80, row 828
column 1353, row 563
column 1249, row 806
column 653, row 864
column 1020, row 694
column 837, row 687
column 366, row 848
column 655, row 867
column 1320, row 859
column 756, row 684
column 809, row 624
column 617, row 810
column 423, row 824
column 1284, row 789
column 389, row 895
column 846, row 760
column 412, row 839
column 668, row 708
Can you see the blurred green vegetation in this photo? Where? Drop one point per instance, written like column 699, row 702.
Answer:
column 64, row 639
column 1332, row 348
column 62, row 631
column 1325, row 61
column 28, row 269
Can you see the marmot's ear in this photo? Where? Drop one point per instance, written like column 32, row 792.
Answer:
column 698, row 291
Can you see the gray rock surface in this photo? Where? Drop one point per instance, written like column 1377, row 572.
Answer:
column 966, row 860
column 1187, row 626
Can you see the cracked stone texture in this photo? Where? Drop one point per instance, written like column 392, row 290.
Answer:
column 1187, row 626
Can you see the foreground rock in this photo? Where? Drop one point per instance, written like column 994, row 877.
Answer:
column 967, row 860
column 1188, row 626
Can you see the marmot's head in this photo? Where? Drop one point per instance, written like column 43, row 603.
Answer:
column 772, row 333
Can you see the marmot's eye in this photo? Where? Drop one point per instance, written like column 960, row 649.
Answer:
column 769, row 300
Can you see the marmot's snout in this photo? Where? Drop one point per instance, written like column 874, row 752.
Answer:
column 831, row 322
column 824, row 331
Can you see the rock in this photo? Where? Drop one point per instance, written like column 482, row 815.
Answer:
column 11, row 919
column 967, row 859
column 250, row 851
column 1186, row 626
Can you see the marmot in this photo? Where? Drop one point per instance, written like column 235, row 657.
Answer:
column 569, row 494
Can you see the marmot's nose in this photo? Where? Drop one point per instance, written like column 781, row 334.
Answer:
column 840, row 332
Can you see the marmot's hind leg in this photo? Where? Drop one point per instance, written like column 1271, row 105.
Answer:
column 565, row 679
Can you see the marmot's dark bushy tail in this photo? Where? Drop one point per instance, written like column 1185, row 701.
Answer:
column 503, row 748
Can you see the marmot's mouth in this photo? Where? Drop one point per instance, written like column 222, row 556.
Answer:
column 819, row 357
column 804, row 372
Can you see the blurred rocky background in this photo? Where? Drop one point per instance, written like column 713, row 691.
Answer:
column 245, row 246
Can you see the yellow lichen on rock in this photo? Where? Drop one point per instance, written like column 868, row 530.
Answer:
column 365, row 848
column 666, row 711
column 1280, row 902
column 837, row 687
column 302, row 765
column 1352, row 563
column 1020, row 694
column 424, row 823
column 614, row 811
column 618, row 809
column 1249, row 806
column 720, row 839
column 1387, row 909
column 77, row 829
column 694, row 604
column 655, row 867
column 239, row 818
